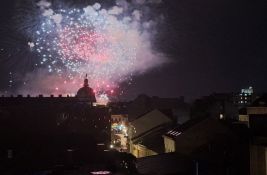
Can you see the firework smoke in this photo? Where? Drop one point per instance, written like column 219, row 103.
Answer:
column 111, row 45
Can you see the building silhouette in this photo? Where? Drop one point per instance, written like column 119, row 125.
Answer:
column 44, row 132
column 86, row 93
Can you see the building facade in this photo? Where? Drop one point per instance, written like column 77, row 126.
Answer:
column 255, row 116
column 41, row 132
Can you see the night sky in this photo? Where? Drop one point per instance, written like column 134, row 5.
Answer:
column 212, row 46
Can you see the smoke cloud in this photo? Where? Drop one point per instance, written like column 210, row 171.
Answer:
column 119, row 47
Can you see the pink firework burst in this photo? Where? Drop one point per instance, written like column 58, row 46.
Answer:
column 81, row 43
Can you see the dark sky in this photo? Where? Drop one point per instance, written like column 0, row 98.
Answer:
column 213, row 45
column 216, row 45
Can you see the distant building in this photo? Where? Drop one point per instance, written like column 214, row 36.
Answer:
column 176, row 107
column 119, row 126
column 216, row 105
column 86, row 93
column 118, row 108
column 119, row 132
column 245, row 97
column 43, row 131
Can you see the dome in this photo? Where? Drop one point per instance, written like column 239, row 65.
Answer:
column 86, row 92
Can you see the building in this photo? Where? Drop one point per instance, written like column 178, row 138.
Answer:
column 119, row 126
column 145, row 133
column 255, row 116
column 128, row 128
column 119, row 132
column 178, row 109
column 216, row 105
column 170, row 163
column 86, row 94
column 245, row 97
column 42, row 132
column 192, row 135
column 215, row 146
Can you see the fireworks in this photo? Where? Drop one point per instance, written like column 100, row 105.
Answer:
column 109, row 45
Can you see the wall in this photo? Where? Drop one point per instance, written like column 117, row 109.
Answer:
column 257, row 110
column 258, row 157
column 169, row 144
column 139, row 151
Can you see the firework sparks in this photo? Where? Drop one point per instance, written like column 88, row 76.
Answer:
column 107, row 44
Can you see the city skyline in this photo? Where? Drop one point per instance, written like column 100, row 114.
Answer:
column 210, row 46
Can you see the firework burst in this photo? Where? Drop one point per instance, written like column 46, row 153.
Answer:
column 108, row 44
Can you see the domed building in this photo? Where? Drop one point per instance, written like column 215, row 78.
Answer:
column 86, row 92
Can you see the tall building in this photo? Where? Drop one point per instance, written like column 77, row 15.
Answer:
column 245, row 97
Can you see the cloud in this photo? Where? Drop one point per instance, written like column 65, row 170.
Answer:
column 122, row 48
column 96, row 6
column 137, row 15
column 123, row 3
column 43, row 4
column 48, row 12
column 140, row 1
column 57, row 18
column 115, row 10
column 155, row 1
